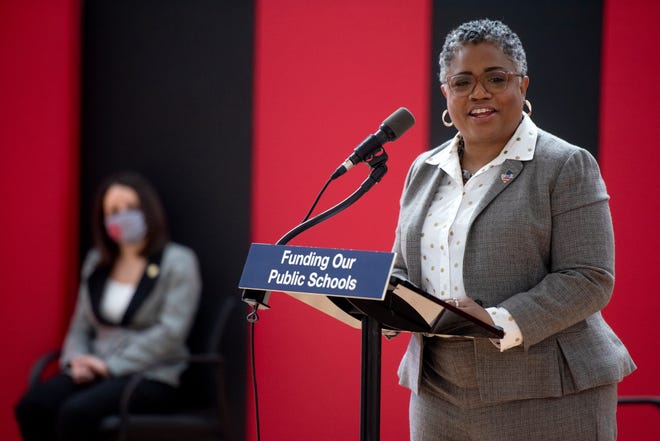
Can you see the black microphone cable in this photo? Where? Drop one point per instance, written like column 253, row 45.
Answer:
column 318, row 198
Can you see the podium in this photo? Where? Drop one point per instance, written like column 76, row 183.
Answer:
column 358, row 289
column 337, row 300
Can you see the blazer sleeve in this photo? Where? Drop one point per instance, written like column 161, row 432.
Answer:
column 581, row 270
column 166, row 337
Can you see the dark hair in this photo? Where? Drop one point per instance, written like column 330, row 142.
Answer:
column 482, row 31
column 151, row 206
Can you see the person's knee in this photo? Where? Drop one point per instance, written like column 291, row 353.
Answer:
column 35, row 418
column 30, row 407
column 23, row 408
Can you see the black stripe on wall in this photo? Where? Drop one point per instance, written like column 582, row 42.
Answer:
column 167, row 91
column 562, row 40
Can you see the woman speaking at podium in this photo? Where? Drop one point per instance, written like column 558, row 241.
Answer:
column 508, row 216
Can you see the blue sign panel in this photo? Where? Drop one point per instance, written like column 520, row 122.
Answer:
column 327, row 271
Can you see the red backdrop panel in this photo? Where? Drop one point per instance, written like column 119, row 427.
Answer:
column 38, row 182
column 628, row 155
column 327, row 74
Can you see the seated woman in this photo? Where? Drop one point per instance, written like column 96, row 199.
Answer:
column 137, row 300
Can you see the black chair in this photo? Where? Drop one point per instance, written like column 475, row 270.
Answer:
column 655, row 401
column 204, row 413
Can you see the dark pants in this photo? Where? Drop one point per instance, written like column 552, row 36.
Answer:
column 59, row 409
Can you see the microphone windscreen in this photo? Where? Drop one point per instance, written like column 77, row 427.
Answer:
column 399, row 121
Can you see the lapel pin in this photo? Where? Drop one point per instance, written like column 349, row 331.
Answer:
column 506, row 177
column 152, row 270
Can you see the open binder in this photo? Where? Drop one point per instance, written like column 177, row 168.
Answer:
column 405, row 308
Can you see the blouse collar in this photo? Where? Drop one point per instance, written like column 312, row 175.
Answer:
column 520, row 147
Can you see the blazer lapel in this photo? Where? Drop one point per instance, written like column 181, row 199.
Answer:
column 508, row 173
column 425, row 194
column 144, row 288
column 96, row 287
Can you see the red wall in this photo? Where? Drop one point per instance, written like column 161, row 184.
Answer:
column 628, row 155
column 39, row 42
column 327, row 74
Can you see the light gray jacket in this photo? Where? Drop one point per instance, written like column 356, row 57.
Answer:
column 540, row 245
column 156, row 322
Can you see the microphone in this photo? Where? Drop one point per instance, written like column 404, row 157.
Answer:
column 391, row 129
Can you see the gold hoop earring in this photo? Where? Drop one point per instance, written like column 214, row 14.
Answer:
column 529, row 106
column 444, row 121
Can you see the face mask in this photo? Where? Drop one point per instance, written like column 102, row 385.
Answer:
column 126, row 227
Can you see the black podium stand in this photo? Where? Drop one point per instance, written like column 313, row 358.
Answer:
column 370, row 380
column 370, row 376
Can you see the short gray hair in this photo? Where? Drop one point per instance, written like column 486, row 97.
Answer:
column 483, row 31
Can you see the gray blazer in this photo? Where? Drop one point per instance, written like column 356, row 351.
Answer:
column 156, row 322
column 540, row 245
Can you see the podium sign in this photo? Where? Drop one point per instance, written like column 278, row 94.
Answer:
column 324, row 271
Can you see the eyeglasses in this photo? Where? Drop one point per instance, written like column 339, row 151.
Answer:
column 493, row 81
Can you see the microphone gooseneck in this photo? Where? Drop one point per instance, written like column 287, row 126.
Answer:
column 369, row 151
